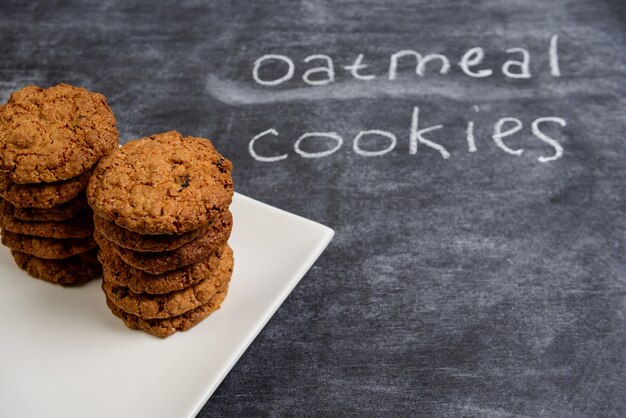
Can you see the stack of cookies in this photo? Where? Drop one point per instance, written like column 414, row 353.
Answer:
column 162, row 221
column 50, row 141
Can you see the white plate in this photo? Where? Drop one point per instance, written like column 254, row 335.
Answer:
column 63, row 354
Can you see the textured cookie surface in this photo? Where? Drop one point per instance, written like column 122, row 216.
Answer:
column 48, row 248
column 147, row 243
column 79, row 227
column 69, row 271
column 117, row 272
column 165, row 327
column 62, row 212
column 42, row 195
column 53, row 134
column 171, row 304
column 158, row 263
column 163, row 184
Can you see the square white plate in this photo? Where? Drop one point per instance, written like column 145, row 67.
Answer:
column 63, row 354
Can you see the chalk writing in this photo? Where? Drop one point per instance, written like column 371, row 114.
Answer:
column 545, row 138
column 332, row 135
column 498, row 134
column 320, row 72
column 470, row 63
column 505, row 127
column 357, row 148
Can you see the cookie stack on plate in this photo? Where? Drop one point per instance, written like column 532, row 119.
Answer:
column 50, row 140
column 162, row 221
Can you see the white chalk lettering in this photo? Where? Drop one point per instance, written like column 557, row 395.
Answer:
column 472, row 57
column 554, row 56
column 288, row 75
column 318, row 70
column 417, row 136
column 356, row 66
column 382, row 142
column 523, row 65
column 357, row 148
column 471, row 142
column 470, row 64
column 421, row 62
column 328, row 69
column 261, row 158
column 332, row 135
column 469, row 132
column 498, row 134
column 558, row 149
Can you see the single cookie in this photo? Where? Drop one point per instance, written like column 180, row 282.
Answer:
column 157, row 243
column 63, row 212
column 141, row 242
column 42, row 195
column 159, row 263
column 48, row 248
column 165, row 327
column 79, row 227
column 171, row 304
column 66, row 272
column 163, row 184
column 116, row 271
column 54, row 134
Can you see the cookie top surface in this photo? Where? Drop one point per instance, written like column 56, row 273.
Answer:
column 162, row 184
column 54, row 134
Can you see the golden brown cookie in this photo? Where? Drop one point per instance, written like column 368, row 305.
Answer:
column 141, row 242
column 48, row 248
column 165, row 327
column 62, row 212
column 162, row 184
column 149, row 306
column 157, row 243
column 53, row 134
column 117, row 272
column 159, row 263
column 66, row 272
column 42, row 195
column 79, row 227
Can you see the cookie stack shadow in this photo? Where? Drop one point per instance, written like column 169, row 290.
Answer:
column 162, row 272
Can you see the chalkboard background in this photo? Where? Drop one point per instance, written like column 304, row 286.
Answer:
column 487, row 284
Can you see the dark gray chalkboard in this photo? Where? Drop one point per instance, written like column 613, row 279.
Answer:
column 485, row 284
